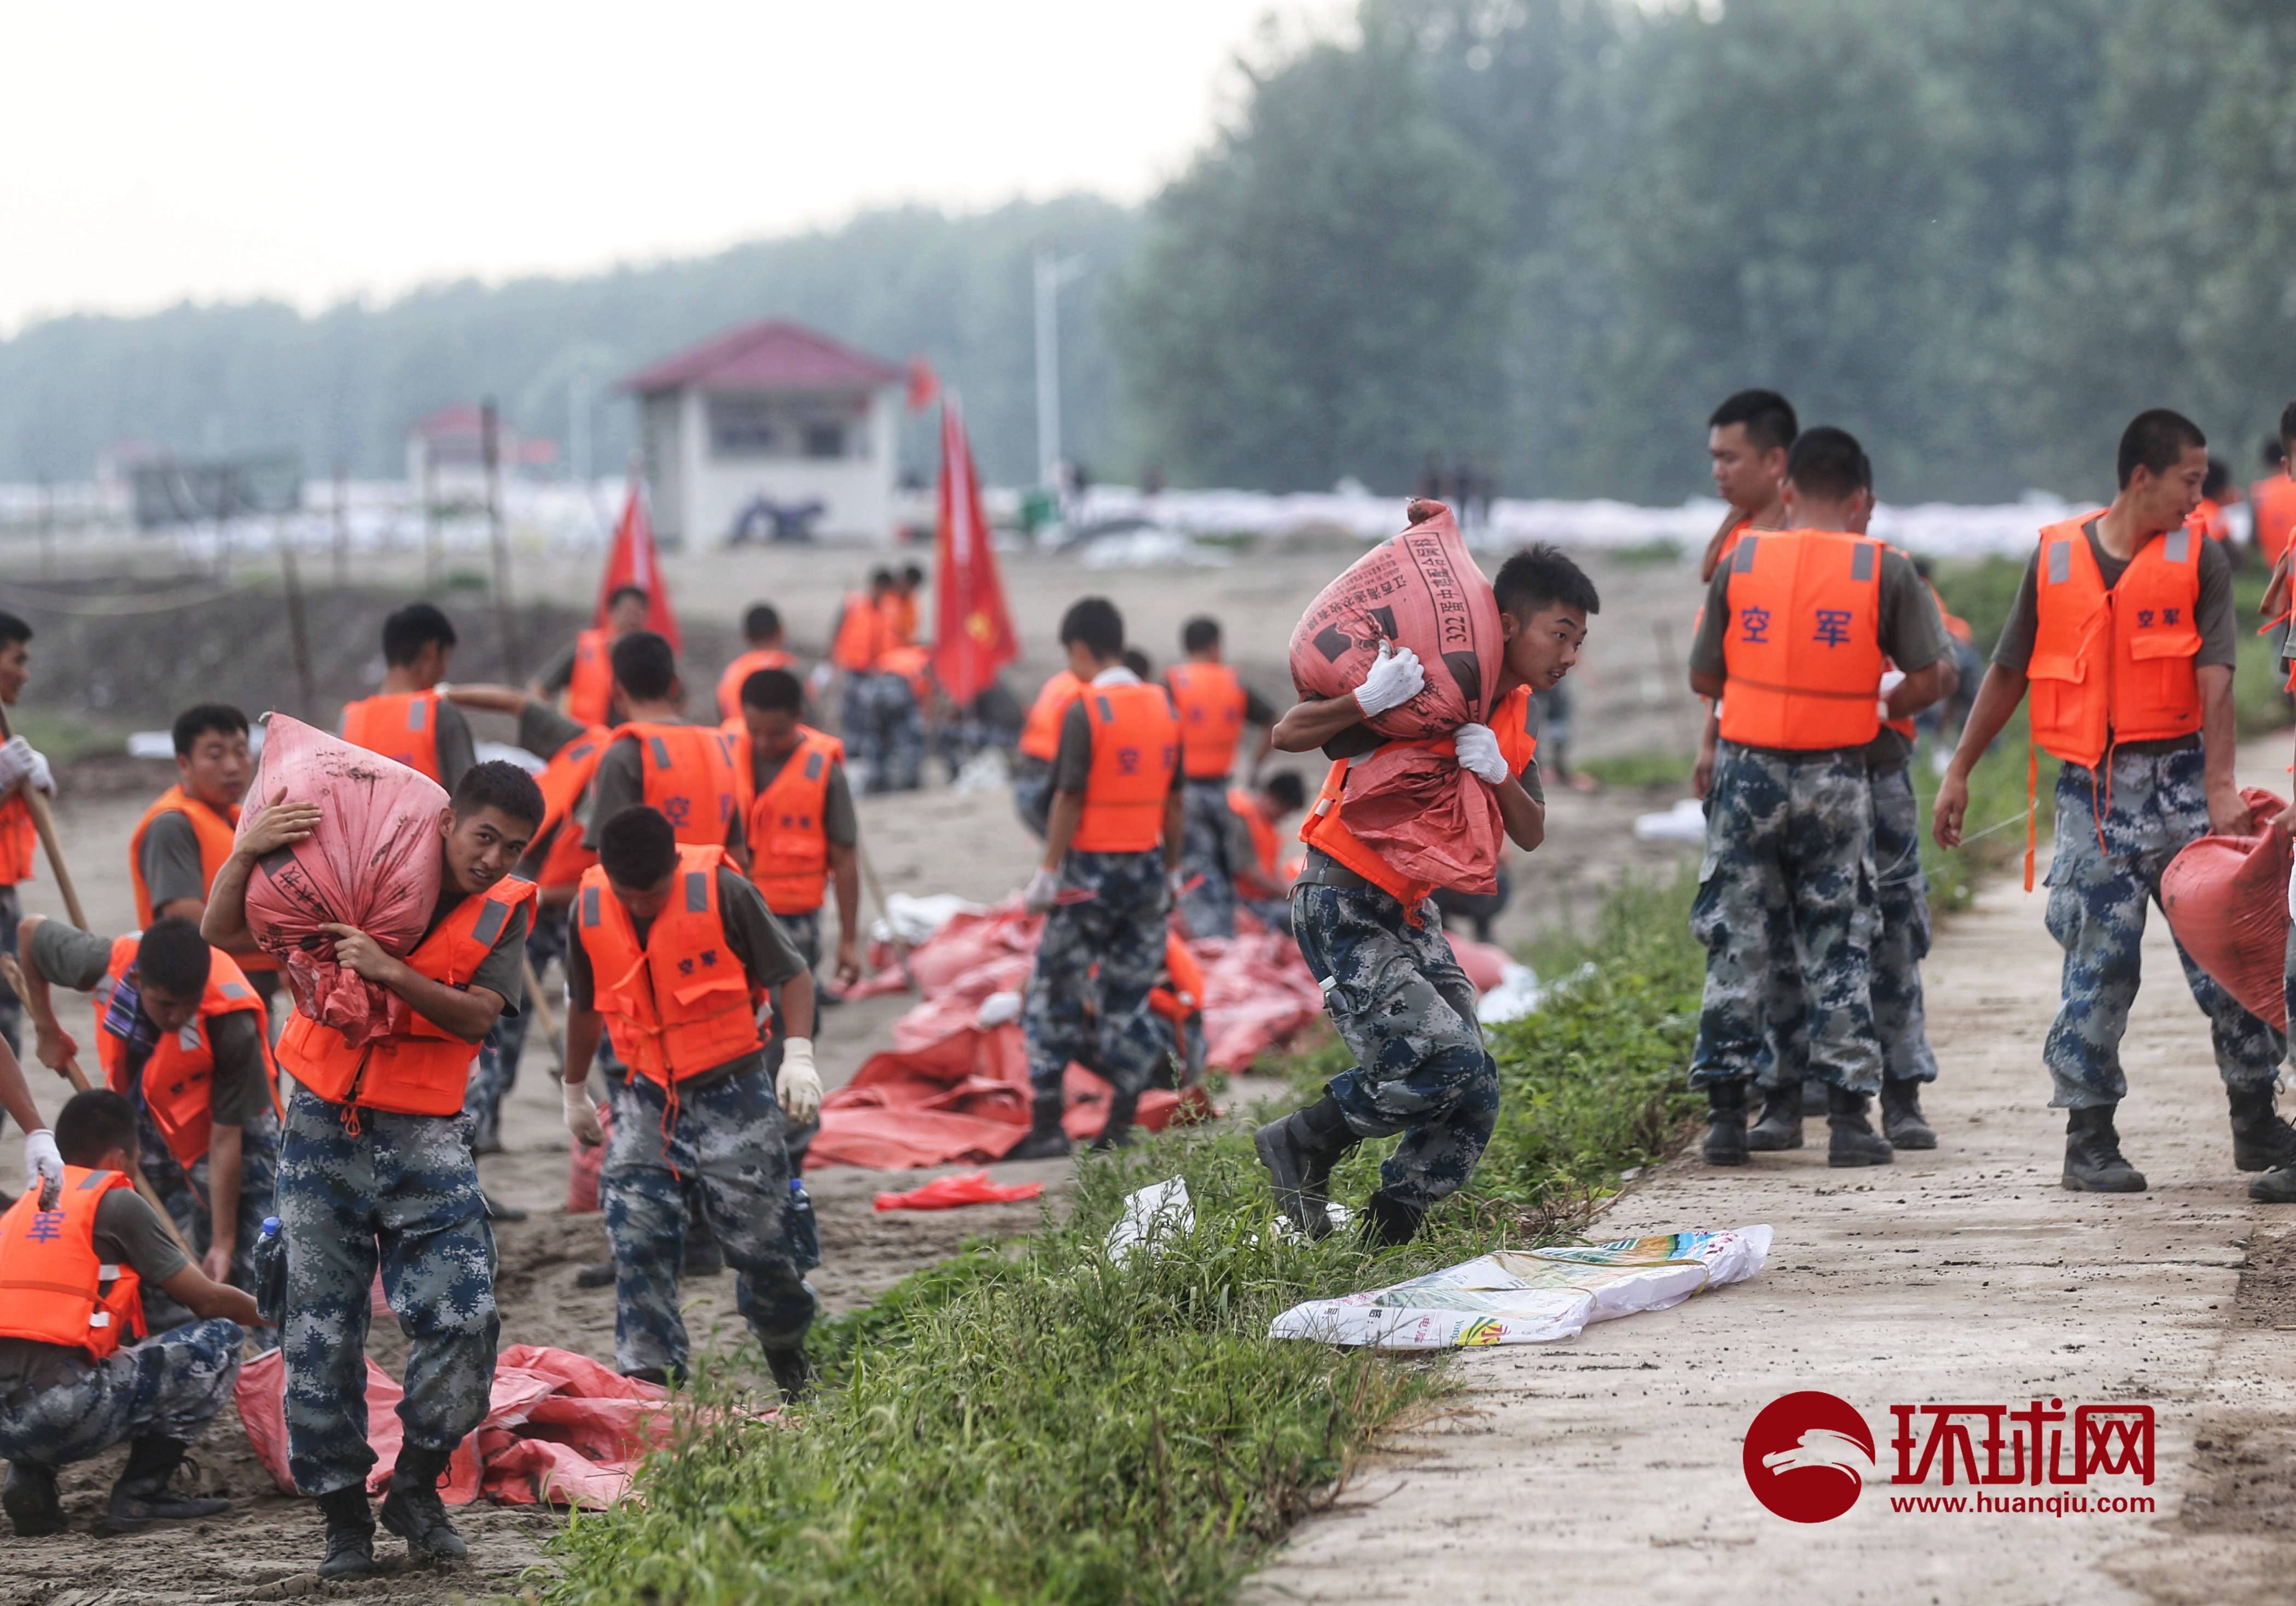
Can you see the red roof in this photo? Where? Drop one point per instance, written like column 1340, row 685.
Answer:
column 769, row 355
column 461, row 418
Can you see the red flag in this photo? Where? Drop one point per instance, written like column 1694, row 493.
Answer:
column 635, row 561
column 924, row 384
column 975, row 631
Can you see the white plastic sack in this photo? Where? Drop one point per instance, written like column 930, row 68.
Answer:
column 1532, row 1297
column 1685, row 822
column 916, row 919
column 1152, row 1213
column 1517, row 994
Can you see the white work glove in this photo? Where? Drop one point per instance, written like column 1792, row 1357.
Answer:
column 582, row 1114
column 21, row 764
column 1395, row 679
column 798, row 1086
column 997, row 1009
column 1044, row 886
column 1479, row 753
column 1891, row 679
column 43, row 1160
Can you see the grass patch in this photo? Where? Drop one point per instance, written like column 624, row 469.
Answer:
column 1036, row 1421
column 1661, row 552
column 1648, row 768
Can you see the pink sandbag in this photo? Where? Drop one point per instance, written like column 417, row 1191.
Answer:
column 965, row 1188
column 583, row 1166
column 1409, row 801
column 373, row 863
column 2226, row 899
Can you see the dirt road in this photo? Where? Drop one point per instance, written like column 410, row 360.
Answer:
column 1608, row 1468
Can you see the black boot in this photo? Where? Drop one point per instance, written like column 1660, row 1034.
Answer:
column 1299, row 1151
column 496, row 1211
column 2262, row 1140
column 1854, row 1142
column 1387, row 1222
column 31, row 1501
column 1780, row 1127
column 792, row 1373
column 141, row 1495
column 413, row 1511
column 1118, row 1129
column 350, row 1534
column 1902, row 1122
column 2093, row 1162
column 598, row 1273
column 1726, row 1123
column 2274, row 1187
column 1046, row 1139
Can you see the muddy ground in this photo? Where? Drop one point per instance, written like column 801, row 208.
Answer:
column 99, row 675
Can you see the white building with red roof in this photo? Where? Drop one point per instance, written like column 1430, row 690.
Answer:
column 770, row 412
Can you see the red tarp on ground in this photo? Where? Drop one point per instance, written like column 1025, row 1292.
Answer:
column 560, row 1429
column 964, row 1188
column 2227, row 899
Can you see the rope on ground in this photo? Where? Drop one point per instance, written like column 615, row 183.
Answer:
column 101, row 607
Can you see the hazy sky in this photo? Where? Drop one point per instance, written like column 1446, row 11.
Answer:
column 310, row 151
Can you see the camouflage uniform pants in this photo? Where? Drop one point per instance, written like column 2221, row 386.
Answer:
column 1099, row 1016
column 171, row 1385
column 1788, row 874
column 1208, row 902
column 494, row 1072
column 884, row 732
column 11, row 1008
column 805, row 936
column 186, row 1193
column 1407, row 1012
column 2097, row 895
column 726, row 1143
column 404, row 1191
column 1901, row 896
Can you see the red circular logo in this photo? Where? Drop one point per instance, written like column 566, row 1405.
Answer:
column 1807, row 1455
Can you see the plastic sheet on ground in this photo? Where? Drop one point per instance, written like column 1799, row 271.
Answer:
column 964, row 1188
column 963, row 1099
column 1534, row 1296
column 559, row 1428
column 1517, row 994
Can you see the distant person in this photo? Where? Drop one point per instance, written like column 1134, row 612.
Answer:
column 408, row 719
column 882, row 726
column 2138, row 707
column 656, row 757
column 761, row 630
column 581, row 678
column 1215, row 707
column 2272, row 499
column 1038, row 746
column 1256, row 845
column 21, row 767
column 2213, row 517
column 184, row 837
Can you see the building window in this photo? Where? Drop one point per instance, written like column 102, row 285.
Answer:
column 824, row 440
column 742, row 427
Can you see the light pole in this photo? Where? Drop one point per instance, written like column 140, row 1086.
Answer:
column 1053, row 271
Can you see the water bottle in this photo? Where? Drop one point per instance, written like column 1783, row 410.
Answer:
column 271, row 1272
column 804, row 1230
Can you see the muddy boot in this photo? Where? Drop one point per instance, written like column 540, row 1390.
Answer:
column 2261, row 1139
column 2093, row 1162
column 2274, row 1187
column 413, row 1511
column 1780, row 1127
column 31, row 1501
column 1118, row 1130
column 1902, row 1122
column 350, row 1534
column 496, row 1211
column 1299, row 1151
column 1725, row 1124
column 1389, row 1221
column 598, row 1273
column 792, row 1373
column 141, row 1495
column 1045, row 1140
column 1855, row 1142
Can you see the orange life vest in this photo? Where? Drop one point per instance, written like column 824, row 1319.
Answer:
column 401, row 726
column 1264, row 845
column 1135, row 747
column 900, row 615
column 738, row 672
column 419, row 1068
column 1512, row 722
column 20, row 839
column 913, row 664
column 860, row 635
column 1324, row 831
column 1181, row 994
column 2210, row 519
column 1211, row 701
column 179, row 1073
column 1802, row 650
column 589, row 697
column 690, row 776
column 1040, row 737
column 2113, row 666
column 54, row 1288
column 1956, row 626
column 788, row 829
column 214, row 831
column 563, row 779
column 2272, row 509
column 710, row 1016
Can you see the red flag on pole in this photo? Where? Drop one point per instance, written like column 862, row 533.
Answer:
column 975, row 633
column 635, row 561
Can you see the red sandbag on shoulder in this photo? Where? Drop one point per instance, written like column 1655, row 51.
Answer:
column 372, row 862
column 2226, row 899
column 1410, row 802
